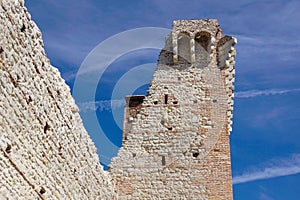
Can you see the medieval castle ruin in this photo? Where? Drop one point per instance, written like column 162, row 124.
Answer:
column 175, row 139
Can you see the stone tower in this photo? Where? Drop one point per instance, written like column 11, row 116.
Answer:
column 176, row 139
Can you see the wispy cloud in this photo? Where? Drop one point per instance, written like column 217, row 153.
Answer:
column 255, row 93
column 264, row 196
column 273, row 169
column 114, row 104
column 101, row 105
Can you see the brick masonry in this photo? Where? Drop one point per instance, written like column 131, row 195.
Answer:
column 175, row 139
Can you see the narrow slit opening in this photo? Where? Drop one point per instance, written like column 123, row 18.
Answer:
column 166, row 99
column 163, row 160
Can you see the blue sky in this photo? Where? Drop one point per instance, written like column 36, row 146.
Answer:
column 265, row 142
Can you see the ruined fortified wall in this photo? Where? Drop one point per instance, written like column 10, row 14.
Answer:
column 45, row 152
column 175, row 139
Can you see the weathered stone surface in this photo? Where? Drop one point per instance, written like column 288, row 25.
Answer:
column 176, row 139
column 45, row 152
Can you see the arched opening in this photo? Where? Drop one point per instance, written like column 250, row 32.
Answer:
column 184, row 50
column 202, row 49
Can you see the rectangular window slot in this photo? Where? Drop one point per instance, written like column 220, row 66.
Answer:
column 163, row 160
column 166, row 99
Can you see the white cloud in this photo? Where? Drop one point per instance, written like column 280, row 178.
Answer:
column 255, row 93
column 273, row 169
column 101, row 105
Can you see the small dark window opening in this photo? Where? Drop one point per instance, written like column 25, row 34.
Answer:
column 195, row 155
column 215, row 101
column 133, row 154
column 166, row 99
column 175, row 102
column 170, row 128
column 163, row 160
column 42, row 191
column 155, row 102
column 1, row 50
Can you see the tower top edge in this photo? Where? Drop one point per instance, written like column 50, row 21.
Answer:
column 199, row 22
column 193, row 26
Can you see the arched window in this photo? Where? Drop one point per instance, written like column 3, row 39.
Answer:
column 202, row 49
column 184, row 50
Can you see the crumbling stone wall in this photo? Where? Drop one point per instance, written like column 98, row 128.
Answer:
column 176, row 143
column 175, row 139
column 45, row 152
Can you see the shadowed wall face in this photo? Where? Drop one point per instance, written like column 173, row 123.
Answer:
column 177, row 138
